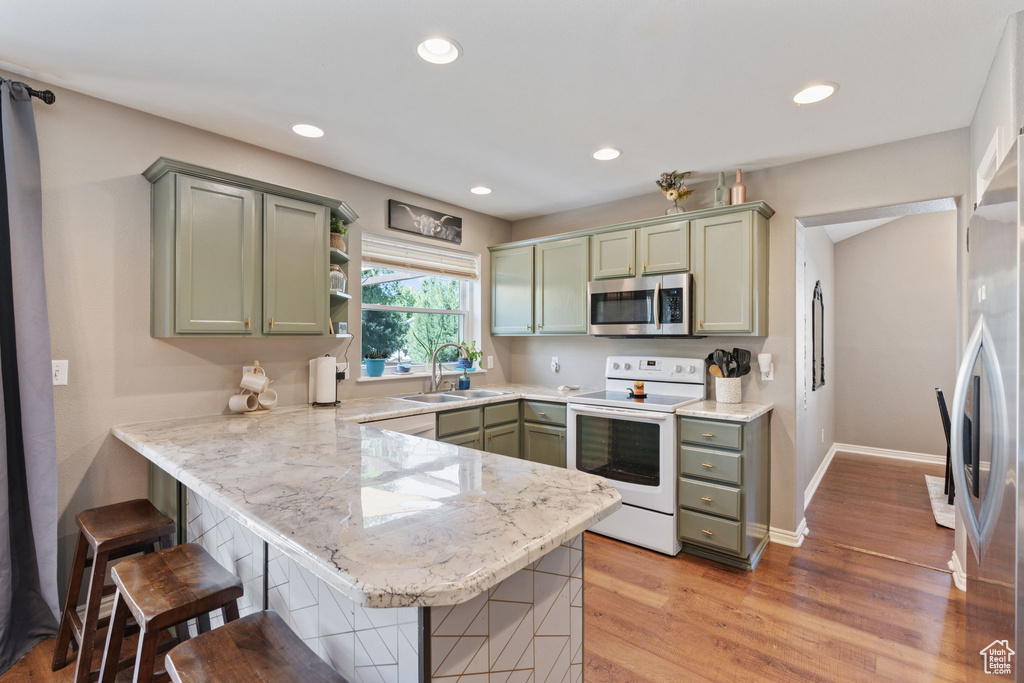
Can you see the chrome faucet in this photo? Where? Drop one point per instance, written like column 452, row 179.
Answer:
column 435, row 376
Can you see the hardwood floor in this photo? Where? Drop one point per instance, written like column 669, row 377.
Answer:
column 35, row 666
column 880, row 505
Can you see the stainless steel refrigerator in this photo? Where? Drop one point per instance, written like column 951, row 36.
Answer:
column 985, row 416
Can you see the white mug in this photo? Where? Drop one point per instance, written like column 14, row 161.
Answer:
column 255, row 381
column 241, row 403
column 268, row 399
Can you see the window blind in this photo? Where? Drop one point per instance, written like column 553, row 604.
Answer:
column 399, row 255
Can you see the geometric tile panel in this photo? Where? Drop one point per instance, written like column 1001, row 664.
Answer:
column 236, row 548
column 527, row 629
column 363, row 644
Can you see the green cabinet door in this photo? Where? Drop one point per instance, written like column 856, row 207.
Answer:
column 512, row 291
column 503, row 440
column 544, row 444
column 664, row 248
column 295, row 237
column 561, row 286
column 465, row 439
column 216, row 243
column 613, row 254
column 723, row 269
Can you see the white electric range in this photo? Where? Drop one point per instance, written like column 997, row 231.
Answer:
column 632, row 442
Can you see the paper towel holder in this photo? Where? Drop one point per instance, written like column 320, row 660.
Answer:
column 313, row 383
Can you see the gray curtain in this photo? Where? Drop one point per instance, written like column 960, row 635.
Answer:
column 28, row 441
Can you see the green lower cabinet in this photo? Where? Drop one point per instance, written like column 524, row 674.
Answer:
column 503, row 440
column 544, row 444
column 471, row 439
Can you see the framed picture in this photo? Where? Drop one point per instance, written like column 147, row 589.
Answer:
column 416, row 219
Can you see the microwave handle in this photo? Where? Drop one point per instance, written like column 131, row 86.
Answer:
column 657, row 305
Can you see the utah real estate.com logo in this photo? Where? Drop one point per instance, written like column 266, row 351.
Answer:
column 998, row 658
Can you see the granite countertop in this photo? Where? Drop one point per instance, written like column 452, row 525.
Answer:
column 387, row 519
column 747, row 411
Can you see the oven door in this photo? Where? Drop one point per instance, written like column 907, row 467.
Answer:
column 634, row 449
column 624, row 307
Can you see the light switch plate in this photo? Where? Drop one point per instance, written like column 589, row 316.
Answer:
column 490, row 362
column 60, row 373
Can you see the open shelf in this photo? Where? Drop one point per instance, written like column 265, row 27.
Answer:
column 341, row 295
column 339, row 257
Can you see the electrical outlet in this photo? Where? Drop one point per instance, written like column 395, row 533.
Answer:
column 554, row 364
column 60, row 373
column 490, row 362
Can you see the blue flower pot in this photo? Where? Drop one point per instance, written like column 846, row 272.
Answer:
column 464, row 364
column 374, row 366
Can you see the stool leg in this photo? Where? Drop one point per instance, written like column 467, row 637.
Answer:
column 230, row 611
column 203, row 623
column 60, row 650
column 165, row 542
column 92, row 613
column 115, row 638
column 145, row 660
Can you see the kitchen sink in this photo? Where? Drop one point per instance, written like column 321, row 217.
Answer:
column 431, row 398
column 476, row 393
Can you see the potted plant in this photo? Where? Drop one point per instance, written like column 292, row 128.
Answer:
column 338, row 232
column 374, row 360
column 473, row 354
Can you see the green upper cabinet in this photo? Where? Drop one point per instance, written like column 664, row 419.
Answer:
column 730, row 274
column 512, row 291
column 235, row 256
column 561, row 286
column 214, row 282
column 295, row 237
column 664, row 248
column 613, row 254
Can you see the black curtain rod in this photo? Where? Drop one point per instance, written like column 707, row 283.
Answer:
column 46, row 96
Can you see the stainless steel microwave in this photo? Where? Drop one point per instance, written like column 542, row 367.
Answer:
column 641, row 306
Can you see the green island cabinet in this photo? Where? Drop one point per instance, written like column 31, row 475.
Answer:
column 725, row 249
column 724, row 506
column 234, row 256
column 531, row 430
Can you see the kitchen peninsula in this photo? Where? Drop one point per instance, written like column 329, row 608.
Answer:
column 395, row 558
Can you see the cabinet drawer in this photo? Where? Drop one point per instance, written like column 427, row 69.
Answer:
column 546, row 413
column 712, row 531
column 708, row 464
column 455, row 421
column 710, row 498
column 501, row 413
column 708, row 433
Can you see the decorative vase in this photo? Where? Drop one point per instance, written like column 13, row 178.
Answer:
column 374, row 366
column 728, row 390
column 674, row 209
column 722, row 191
column 739, row 190
column 337, row 241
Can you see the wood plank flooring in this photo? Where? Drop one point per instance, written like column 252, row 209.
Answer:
column 880, row 505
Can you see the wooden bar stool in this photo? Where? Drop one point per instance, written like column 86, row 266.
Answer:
column 110, row 532
column 259, row 647
column 162, row 590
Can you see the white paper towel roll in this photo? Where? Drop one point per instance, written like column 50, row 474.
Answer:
column 326, row 381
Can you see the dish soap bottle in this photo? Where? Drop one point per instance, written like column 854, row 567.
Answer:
column 464, row 380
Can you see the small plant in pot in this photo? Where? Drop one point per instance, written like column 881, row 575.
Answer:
column 473, row 354
column 375, row 360
column 338, row 233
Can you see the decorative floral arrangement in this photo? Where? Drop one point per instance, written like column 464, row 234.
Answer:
column 673, row 187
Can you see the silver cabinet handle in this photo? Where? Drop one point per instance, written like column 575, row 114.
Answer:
column 657, row 305
column 981, row 525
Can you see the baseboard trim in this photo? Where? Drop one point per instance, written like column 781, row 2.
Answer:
column 888, row 453
column 793, row 539
column 959, row 574
column 812, row 486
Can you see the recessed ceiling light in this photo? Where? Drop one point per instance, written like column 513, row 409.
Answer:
column 607, row 154
column 480, row 189
column 815, row 93
column 439, row 50
column 308, row 131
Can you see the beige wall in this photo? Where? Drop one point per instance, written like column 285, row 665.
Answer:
column 817, row 433
column 896, row 321
column 96, row 242
column 928, row 167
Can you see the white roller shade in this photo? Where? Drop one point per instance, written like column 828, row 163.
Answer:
column 399, row 255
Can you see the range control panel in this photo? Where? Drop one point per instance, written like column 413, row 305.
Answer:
column 655, row 368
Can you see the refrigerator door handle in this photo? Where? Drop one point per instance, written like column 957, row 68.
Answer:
column 979, row 527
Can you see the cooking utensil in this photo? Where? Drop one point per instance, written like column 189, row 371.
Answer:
column 715, row 370
column 742, row 360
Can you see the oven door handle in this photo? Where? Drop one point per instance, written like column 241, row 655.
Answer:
column 631, row 414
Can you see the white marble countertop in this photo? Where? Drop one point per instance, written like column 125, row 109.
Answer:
column 748, row 411
column 387, row 519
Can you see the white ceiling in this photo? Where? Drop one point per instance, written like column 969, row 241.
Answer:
column 677, row 84
column 838, row 232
